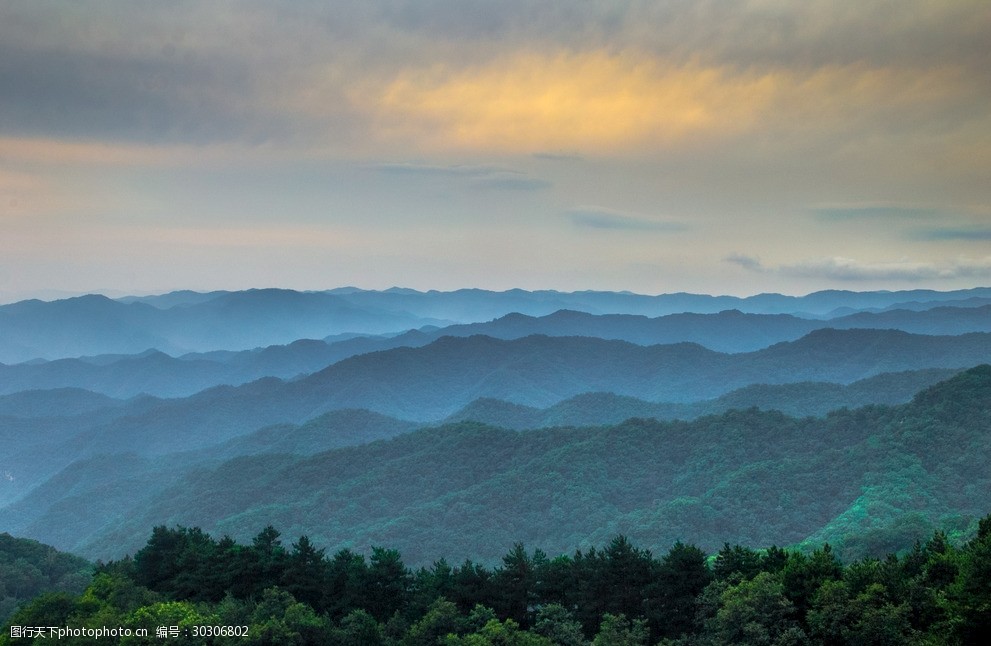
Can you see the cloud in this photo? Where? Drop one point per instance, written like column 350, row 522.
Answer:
column 148, row 98
column 974, row 234
column 851, row 270
column 488, row 177
column 747, row 262
column 558, row 156
column 570, row 100
column 874, row 212
column 598, row 218
column 410, row 168
column 948, row 224
column 485, row 177
column 517, row 76
column 511, row 183
column 597, row 101
column 54, row 152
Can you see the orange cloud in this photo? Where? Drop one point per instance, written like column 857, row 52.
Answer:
column 600, row 101
column 592, row 100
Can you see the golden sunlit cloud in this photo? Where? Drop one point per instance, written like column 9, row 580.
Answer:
column 574, row 101
column 598, row 101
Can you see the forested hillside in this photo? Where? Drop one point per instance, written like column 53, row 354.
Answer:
column 184, row 584
column 29, row 568
column 888, row 475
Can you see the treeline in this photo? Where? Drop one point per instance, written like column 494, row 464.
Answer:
column 936, row 593
column 28, row 568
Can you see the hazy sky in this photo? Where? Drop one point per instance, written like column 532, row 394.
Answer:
column 682, row 145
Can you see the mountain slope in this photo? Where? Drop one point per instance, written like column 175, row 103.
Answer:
column 752, row 477
column 798, row 399
column 431, row 383
column 434, row 381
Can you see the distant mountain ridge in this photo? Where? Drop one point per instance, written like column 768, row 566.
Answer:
column 183, row 322
column 90, row 325
column 435, row 380
column 796, row 399
column 155, row 373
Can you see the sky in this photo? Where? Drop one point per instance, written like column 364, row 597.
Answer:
column 675, row 145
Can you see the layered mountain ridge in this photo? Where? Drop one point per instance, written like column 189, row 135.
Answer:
column 421, row 419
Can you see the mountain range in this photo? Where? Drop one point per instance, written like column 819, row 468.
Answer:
column 183, row 322
column 433, row 421
column 156, row 373
column 464, row 489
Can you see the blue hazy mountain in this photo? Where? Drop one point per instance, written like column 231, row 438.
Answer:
column 726, row 331
column 183, row 322
column 436, row 380
column 433, row 382
column 797, row 399
column 158, row 374
column 469, row 305
column 91, row 325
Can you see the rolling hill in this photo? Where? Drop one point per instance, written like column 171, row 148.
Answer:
column 756, row 477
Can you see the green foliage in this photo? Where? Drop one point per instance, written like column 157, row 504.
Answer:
column 557, row 624
column 756, row 612
column 672, row 602
column 935, row 593
column 29, row 568
column 617, row 630
column 971, row 590
column 280, row 619
column 441, row 619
